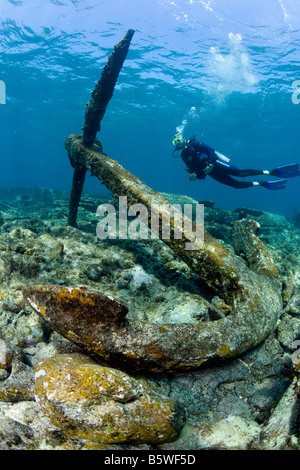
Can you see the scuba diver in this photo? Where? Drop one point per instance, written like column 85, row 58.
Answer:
column 202, row 160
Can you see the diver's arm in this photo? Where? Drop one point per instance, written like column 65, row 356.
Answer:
column 199, row 154
column 212, row 157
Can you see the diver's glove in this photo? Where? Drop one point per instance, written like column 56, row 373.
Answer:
column 208, row 169
column 192, row 176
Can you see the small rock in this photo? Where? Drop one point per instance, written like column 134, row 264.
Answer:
column 18, row 382
column 288, row 289
column 14, row 435
column 6, row 355
column 140, row 278
column 293, row 307
column 279, row 432
column 232, row 433
column 288, row 330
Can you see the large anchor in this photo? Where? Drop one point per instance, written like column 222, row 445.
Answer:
column 249, row 292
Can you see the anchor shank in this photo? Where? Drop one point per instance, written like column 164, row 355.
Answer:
column 212, row 261
column 94, row 113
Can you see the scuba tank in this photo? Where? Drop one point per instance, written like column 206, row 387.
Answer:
column 222, row 157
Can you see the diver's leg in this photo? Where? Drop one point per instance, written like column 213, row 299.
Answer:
column 249, row 172
column 288, row 171
column 222, row 173
column 229, row 181
column 229, row 169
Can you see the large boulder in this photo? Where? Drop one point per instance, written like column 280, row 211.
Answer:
column 102, row 404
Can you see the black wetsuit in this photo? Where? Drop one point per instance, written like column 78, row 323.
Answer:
column 202, row 160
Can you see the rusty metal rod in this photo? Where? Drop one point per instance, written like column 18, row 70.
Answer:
column 94, row 113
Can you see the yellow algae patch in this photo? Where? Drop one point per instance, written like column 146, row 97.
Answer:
column 42, row 310
column 224, row 350
column 65, row 295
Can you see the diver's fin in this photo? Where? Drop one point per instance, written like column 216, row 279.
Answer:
column 288, row 171
column 280, row 184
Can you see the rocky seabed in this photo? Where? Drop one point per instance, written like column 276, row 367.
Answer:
column 61, row 388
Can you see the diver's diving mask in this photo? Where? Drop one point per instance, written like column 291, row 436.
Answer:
column 178, row 142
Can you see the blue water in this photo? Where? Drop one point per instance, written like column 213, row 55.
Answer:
column 223, row 70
